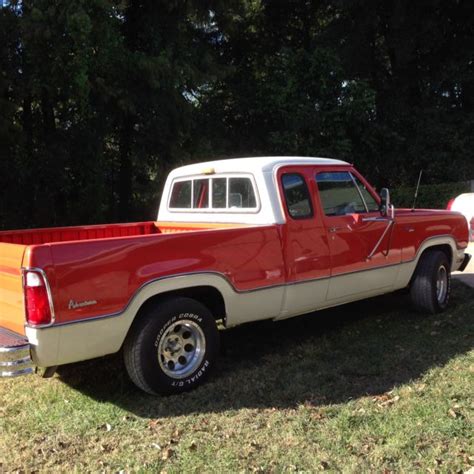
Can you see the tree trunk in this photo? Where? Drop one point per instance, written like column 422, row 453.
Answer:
column 125, row 171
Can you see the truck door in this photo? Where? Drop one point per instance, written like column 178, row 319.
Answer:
column 304, row 243
column 363, row 262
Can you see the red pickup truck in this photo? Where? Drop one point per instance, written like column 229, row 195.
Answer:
column 235, row 241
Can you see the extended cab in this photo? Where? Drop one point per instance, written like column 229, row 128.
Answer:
column 235, row 241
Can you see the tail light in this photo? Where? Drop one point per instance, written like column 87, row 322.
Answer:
column 37, row 299
column 450, row 204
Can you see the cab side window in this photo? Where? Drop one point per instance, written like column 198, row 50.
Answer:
column 297, row 197
column 339, row 194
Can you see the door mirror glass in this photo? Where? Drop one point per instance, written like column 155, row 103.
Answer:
column 384, row 201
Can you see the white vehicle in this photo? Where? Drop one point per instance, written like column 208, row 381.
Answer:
column 464, row 203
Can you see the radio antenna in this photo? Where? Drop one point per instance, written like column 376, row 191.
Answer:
column 416, row 191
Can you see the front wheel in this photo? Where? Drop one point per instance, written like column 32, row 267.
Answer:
column 172, row 346
column 431, row 284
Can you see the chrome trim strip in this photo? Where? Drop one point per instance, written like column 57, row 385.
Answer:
column 48, row 292
column 90, row 319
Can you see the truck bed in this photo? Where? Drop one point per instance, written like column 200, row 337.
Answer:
column 18, row 247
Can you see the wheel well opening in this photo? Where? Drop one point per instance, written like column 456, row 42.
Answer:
column 445, row 248
column 207, row 295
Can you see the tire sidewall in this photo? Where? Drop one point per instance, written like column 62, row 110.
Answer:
column 160, row 319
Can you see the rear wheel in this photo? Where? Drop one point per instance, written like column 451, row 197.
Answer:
column 172, row 347
column 431, row 284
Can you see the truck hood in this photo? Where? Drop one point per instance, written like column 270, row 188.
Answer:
column 425, row 212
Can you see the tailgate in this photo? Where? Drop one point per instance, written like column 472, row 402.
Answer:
column 12, row 314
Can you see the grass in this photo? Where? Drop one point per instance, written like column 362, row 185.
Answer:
column 370, row 386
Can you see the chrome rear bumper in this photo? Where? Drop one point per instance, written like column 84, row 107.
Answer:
column 15, row 358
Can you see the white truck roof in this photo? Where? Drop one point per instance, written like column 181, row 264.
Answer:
column 261, row 170
column 252, row 164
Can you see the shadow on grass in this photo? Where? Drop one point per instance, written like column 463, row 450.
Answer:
column 326, row 357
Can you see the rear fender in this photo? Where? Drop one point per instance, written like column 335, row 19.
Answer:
column 96, row 337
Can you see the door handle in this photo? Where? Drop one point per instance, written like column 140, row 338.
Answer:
column 375, row 219
column 335, row 229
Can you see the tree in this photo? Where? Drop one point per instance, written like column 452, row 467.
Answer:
column 100, row 98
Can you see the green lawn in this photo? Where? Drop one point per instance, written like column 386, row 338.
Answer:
column 370, row 386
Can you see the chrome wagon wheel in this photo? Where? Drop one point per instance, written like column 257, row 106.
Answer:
column 441, row 284
column 181, row 349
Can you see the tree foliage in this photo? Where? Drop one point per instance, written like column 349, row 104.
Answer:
column 100, row 98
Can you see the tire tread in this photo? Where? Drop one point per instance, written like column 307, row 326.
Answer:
column 422, row 292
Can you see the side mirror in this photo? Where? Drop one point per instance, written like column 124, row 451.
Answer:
column 384, row 201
